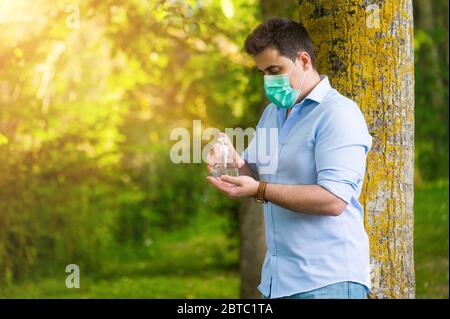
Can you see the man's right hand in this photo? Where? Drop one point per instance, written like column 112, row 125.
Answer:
column 215, row 156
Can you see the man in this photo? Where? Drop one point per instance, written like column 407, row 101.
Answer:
column 316, row 243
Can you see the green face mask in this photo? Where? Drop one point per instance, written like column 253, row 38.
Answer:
column 279, row 91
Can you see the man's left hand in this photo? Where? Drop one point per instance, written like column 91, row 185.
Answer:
column 235, row 186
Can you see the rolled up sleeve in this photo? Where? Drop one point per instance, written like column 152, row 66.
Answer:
column 341, row 148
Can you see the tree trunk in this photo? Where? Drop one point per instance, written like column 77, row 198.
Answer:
column 366, row 48
column 252, row 247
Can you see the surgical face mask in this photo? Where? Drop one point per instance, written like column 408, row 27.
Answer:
column 279, row 91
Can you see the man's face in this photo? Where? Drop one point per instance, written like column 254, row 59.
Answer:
column 270, row 62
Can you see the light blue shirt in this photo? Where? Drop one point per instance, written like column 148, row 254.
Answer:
column 324, row 141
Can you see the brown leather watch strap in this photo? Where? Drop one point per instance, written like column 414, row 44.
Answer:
column 260, row 193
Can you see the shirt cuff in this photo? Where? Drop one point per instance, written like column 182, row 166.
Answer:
column 342, row 190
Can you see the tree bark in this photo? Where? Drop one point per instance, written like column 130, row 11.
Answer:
column 366, row 48
column 252, row 247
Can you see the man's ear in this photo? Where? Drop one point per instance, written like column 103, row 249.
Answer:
column 304, row 58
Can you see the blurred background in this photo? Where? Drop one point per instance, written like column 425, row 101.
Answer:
column 89, row 93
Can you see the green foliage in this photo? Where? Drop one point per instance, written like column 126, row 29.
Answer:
column 431, row 90
column 85, row 116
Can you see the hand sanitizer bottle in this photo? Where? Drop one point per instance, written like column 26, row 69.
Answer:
column 225, row 167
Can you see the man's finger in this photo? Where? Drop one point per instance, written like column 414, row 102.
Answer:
column 240, row 162
column 221, row 182
column 231, row 179
column 220, row 185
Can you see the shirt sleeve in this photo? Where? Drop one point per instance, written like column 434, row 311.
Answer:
column 249, row 154
column 251, row 160
column 341, row 148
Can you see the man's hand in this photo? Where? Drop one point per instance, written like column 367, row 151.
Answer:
column 235, row 186
column 214, row 156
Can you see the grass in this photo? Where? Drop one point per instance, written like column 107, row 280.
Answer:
column 196, row 262
column 211, row 285
column 202, row 262
column 431, row 240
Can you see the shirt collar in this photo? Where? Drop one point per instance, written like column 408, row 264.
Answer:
column 320, row 90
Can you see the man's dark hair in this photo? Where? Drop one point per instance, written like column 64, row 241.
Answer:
column 285, row 35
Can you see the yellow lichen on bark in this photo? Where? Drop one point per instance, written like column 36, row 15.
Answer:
column 366, row 48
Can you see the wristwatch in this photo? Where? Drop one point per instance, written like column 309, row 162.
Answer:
column 260, row 193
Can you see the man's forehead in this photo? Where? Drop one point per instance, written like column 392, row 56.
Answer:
column 269, row 57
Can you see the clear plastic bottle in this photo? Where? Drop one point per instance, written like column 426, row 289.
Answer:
column 226, row 166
